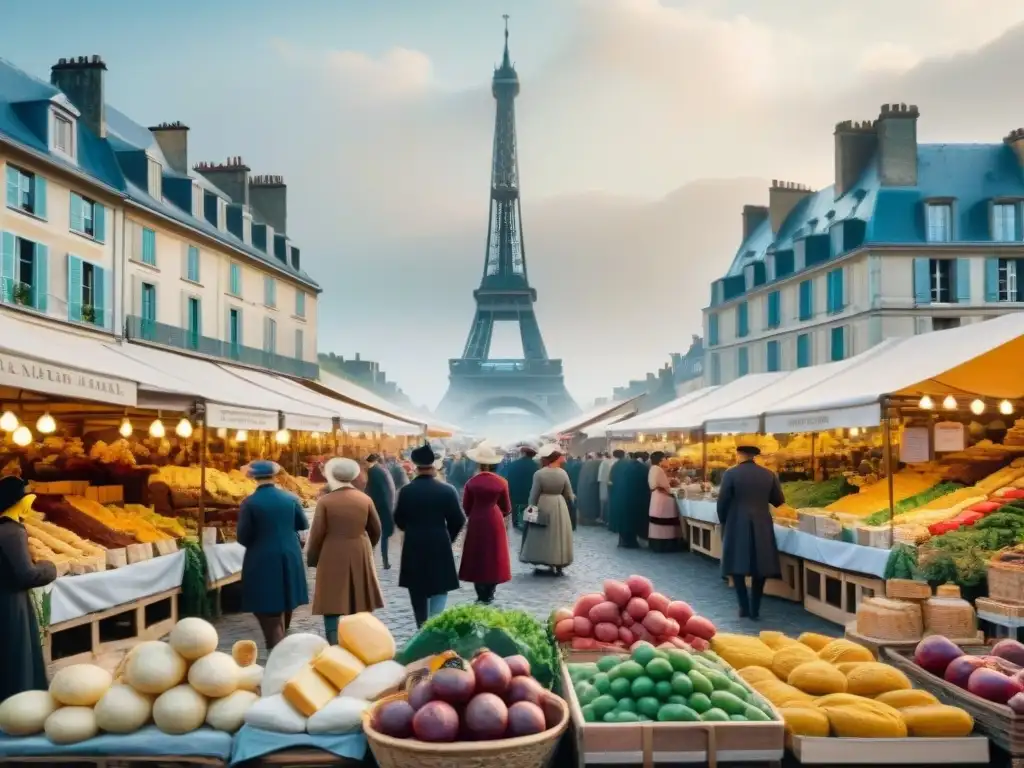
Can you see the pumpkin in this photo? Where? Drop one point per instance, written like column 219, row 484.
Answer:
column 817, row 678
column 123, row 710
column 228, row 714
column 859, row 718
column 805, row 721
column 154, row 667
column 193, row 638
column 937, row 721
column 814, row 641
column 245, row 652
column 70, row 725
column 753, row 675
column 740, row 651
column 24, row 714
column 789, row 658
column 179, row 710
column 901, row 699
column 839, row 651
column 80, row 685
column 873, row 678
column 214, row 675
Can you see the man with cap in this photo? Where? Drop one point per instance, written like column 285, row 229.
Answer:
column 430, row 514
column 520, row 481
column 380, row 487
column 748, row 533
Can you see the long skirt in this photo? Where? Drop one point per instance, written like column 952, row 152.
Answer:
column 664, row 529
column 550, row 544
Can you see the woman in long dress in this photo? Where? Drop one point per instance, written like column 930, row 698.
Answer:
column 485, row 500
column 664, row 530
column 547, row 541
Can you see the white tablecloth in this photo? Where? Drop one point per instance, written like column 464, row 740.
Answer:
column 223, row 560
column 699, row 509
column 75, row 596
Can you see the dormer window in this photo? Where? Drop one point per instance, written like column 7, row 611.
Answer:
column 247, row 228
column 222, row 214
column 62, row 134
column 938, row 222
column 154, row 179
column 197, row 201
column 1004, row 222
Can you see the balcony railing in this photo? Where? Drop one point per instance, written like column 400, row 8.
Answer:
column 490, row 367
column 152, row 332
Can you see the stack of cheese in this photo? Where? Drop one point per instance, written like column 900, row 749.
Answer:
column 178, row 686
column 320, row 689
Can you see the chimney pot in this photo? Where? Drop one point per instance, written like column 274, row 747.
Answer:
column 897, row 145
column 82, row 80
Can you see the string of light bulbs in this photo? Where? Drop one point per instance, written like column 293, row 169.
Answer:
column 977, row 405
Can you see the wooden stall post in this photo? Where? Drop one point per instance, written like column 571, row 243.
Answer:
column 203, row 446
column 887, row 439
column 703, row 457
column 814, row 474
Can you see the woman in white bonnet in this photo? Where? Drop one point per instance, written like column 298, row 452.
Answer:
column 346, row 528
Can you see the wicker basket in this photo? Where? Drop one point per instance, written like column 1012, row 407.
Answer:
column 950, row 616
column 908, row 589
column 1005, row 582
column 522, row 752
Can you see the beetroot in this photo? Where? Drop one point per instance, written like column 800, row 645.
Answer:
column 492, row 673
column 455, row 686
column 1011, row 650
column 395, row 719
column 961, row 668
column 935, row 653
column 553, row 708
column 421, row 693
column 639, row 586
column 524, row 719
column 617, row 592
column 519, row 665
column 1017, row 703
column 993, row 686
column 436, row 722
column 1001, row 665
column 486, row 717
column 524, row 689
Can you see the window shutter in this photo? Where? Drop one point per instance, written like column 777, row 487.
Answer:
column 77, row 214
column 136, row 237
column 99, row 223
column 875, row 281
column 7, row 264
column 963, row 281
column 299, row 344
column 13, row 187
column 74, row 288
column 40, row 277
column 40, row 201
column 100, row 294
column 266, row 334
column 199, row 317
column 992, row 279
column 922, row 281
column 840, row 290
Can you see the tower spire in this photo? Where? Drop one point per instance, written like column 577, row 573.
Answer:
column 506, row 60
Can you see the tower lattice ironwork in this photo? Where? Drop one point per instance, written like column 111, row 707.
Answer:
column 478, row 383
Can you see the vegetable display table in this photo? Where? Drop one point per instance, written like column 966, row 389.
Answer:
column 254, row 746
column 149, row 745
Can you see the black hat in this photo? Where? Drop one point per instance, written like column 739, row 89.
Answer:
column 423, row 456
column 12, row 490
column 748, row 450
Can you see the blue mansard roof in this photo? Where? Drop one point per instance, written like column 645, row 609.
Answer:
column 971, row 175
column 24, row 110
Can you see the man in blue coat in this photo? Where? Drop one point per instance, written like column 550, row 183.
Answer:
column 380, row 487
column 520, row 481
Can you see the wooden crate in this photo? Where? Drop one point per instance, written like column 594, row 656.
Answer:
column 790, row 586
column 878, row 645
column 972, row 750
column 105, row 494
column 834, row 595
column 61, row 488
column 114, row 629
column 705, row 538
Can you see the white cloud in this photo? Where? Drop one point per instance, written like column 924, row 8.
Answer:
column 399, row 72
column 888, row 58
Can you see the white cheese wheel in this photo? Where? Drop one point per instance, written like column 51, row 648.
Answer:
column 274, row 713
column 123, row 710
column 250, row 678
column 23, row 714
column 154, row 667
column 341, row 715
column 80, row 685
column 193, row 638
column 287, row 658
column 214, row 675
column 179, row 710
column 70, row 725
column 376, row 680
column 228, row 714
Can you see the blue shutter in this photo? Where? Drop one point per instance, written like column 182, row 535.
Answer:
column 922, row 280
column 774, row 309
column 7, row 265
column 74, row 288
column 99, row 295
column 712, row 330
column 40, row 277
column 806, row 300
column 803, row 350
column 148, row 247
column 963, row 281
column 40, row 195
column 838, row 343
column 742, row 362
column 992, row 279
column 772, row 356
column 236, row 280
column 300, row 304
column 299, row 344
column 13, row 187
column 77, row 213
column 193, row 263
column 99, row 223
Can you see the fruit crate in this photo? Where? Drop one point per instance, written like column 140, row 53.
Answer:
column 699, row 743
column 811, row 750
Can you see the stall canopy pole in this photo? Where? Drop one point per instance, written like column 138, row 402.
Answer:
column 203, row 444
column 703, row 457
column 887, row 439
column 814, row 474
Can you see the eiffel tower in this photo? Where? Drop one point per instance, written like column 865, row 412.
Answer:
column 477, row 384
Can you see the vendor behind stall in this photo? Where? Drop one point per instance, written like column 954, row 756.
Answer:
column 21, row 654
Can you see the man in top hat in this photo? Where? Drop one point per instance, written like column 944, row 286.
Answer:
column 748, row 533
column 520, row 480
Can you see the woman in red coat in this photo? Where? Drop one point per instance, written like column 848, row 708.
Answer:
column 485, row 554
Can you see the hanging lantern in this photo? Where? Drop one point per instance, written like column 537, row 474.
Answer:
column 949, row 403
column 241, row 436
column 854, row 431
column 126, row 429
column 926, row 404
column 1006, row 407
column 8, row 422
column 156, row 429
column 314, row 435
column 222, row 433
column 184, row 428
column 282, row 437
column 977, row 407
column 46, row 425
column 22, row 436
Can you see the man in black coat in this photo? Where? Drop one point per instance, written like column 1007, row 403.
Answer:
column 430, row 514
column 380, row 487
column 639, row 495
column 520, row 481
column 588, row 497
column 618, row 501
column 748, row 532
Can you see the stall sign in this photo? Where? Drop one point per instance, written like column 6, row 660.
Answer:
column 733, row 426
column 229, row 417
column 53, row 379
column 869, row 415
column 298, row 423
column 914, row 447
column 949, row 436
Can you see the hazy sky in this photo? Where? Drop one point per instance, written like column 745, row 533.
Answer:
column 644, row 125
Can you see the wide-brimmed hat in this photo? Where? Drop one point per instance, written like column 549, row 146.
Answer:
column 262, row 469
column 548, row 450
column 423, row 456
column 748, row 450
column 484, row 454
column 341, row 471
column 12, row 490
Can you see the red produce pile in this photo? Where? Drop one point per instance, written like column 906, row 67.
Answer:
column 997, row 677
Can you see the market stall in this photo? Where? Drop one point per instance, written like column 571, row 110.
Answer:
column 588, row 421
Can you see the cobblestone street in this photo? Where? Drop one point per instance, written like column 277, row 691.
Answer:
column 688, row 577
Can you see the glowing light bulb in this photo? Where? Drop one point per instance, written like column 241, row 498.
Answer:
column 156, row 429
column 926, row 404
column 222, row 433
column 854, row 431
column 126, row 428
column 22, row 436
column 1006, row 407
column 315, row 435
column 241, row 436
column 977, row 407
column 46, row 424
column 8, row 422
column 949, row 403
column 184, row 428
column 282, row 437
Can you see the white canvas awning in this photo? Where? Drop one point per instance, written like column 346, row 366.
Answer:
column 583, row 421
column 637, row 423
column 401, row 423
column 980, row 360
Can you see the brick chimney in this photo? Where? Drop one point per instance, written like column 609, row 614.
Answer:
column 81, row 80
column 1015, row 140
column 856, row 145
column 783, row 197
column 173, row 141
column 269, row 196
column 753, row 215
column 231, row 176
column 897, row 145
